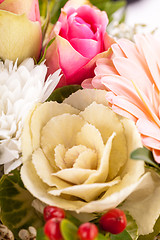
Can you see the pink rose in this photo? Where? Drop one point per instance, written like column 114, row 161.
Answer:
column 80, row 33
column 20, row 29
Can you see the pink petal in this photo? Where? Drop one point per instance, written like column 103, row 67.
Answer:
column 124, row 104
column 148, row 128
column 110, row 96
column 86, row 47
column 122, row 87
column 130, row 50
column 34, row 14
column 78, row 28
column 108, row 41
column 52, row 58
column 93, row 15
column 96, row 82
column 156, row 155
column 133, row 72
column 87, row 83
column 150, row 142
column 147, row 51
column 123, row 113
column 117, row 51
column 105, row 66
column 70, row 60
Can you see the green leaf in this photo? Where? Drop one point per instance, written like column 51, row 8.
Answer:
column 146, row 155
column 132, row 227
column 43, row 7
column 55, row 9
column 109, row 6
column 42, row 58
column 41, row 235
column 122, row 236
column 102, row 237
column 68, row 230
column 73, row 219
column 152, row 235
column 15, row 201
column 60, row 94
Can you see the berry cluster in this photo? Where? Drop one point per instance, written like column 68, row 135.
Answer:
column 114, row 221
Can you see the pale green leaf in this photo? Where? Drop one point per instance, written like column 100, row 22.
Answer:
column 145, row 155
column 132, row 227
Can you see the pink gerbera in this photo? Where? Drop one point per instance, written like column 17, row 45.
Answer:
column 131, row 76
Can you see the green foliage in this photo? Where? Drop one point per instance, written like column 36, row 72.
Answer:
column 122, row 236
column 145, row 155
column 132, row 227
column 41, row 235
column 42, row 58
column 54, row 7
column 15, row 201
column 69, row 230
column 102, row 237
column 43, row 4
column 110, row 7
column 61, row 93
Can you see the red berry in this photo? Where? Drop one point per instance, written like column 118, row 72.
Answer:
column 52, row 229
column 87, row 231
column 53, row 212
column 114, row 221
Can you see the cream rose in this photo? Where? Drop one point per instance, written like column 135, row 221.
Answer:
column 76, row 154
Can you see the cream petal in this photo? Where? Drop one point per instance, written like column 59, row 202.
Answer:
column 92, row 190
column 20, row 37
column 60, row 151
column 61, row 129
column 143, row 203
column 132, row 167
column 74, row 175
column 86, row 160
column 130, row 175
column 26, row 138
column 91, row 138
column 39, row 189
column 45, row 172
column 43, row 114
column 72, row 154
column 107, row 122
column 82, row 98
column 102, row 173
column 113, row 197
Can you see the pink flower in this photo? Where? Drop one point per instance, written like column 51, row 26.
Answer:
column 20, row 29
column 80, row 33
column 131, row 76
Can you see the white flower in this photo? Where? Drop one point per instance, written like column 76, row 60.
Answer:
column 20, row 88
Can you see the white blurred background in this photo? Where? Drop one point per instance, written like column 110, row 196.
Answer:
column 145, row 12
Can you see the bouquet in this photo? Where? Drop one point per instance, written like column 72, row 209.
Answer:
column 79, row 123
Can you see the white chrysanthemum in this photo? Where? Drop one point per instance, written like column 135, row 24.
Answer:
column 20, row 88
